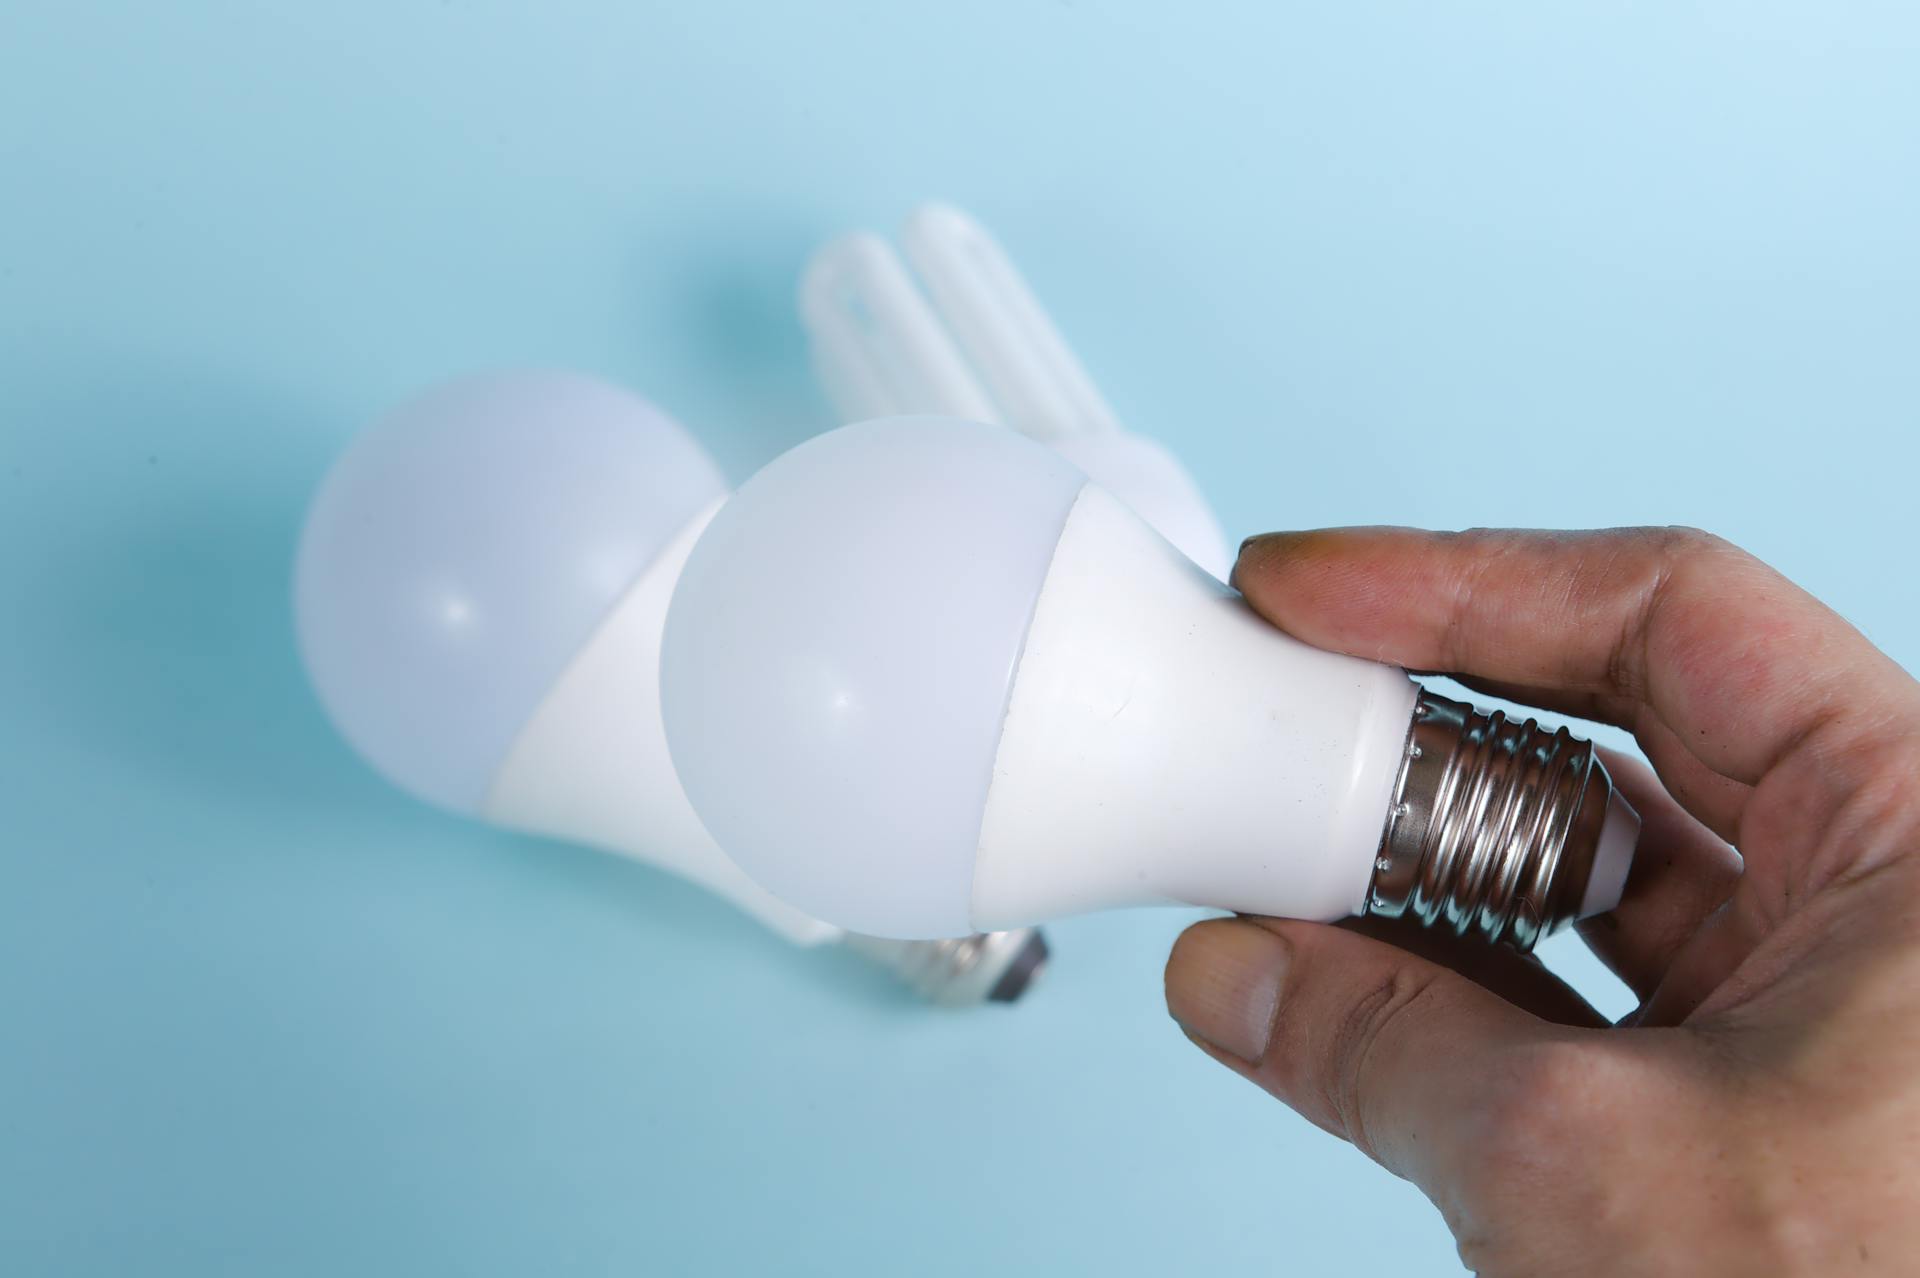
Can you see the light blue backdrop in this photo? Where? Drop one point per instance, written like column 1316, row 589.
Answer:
column 1445, row 264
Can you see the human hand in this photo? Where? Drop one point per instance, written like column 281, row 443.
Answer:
column 1760, row 1112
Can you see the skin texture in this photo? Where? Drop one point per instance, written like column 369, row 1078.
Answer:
column 1760, row 1112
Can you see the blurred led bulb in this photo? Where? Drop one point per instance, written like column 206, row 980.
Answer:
column 479, row 594
column 920, row 677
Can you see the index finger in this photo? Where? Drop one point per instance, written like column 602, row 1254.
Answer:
column 1742, row 665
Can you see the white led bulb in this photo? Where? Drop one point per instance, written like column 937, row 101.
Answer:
column 480, row 592
column 921, row 677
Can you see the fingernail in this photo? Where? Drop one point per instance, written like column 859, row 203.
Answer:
column 1269, row 539
column 1259, row 543
column 1223, row 985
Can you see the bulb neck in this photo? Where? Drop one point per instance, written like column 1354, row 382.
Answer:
column 1499, row 829
column 987, row 967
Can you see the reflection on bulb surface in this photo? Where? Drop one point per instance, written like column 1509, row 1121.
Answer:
column 479, row 595
column 920, row 677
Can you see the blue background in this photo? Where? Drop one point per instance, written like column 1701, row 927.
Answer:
column 1443, row 264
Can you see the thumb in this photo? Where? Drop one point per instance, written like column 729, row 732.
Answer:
column 1399, row 1055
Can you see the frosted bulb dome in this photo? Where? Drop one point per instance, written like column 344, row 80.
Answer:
column 461, row 552
column 795, row 684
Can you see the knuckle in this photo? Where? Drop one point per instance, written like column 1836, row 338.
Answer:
column 1683, row 545
column 1482, row 558
column 1681, row 541
column 1692, row 558
column 1355, row 1042
column 1643, row 572
column 1547, row 1087
column 1680, row 551
column 1545, row 1099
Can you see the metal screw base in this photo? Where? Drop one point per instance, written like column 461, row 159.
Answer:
column 987, row 967
column 1494, row 825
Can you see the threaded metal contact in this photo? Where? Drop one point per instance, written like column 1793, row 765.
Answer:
column 1494, row 825
column 995, row 967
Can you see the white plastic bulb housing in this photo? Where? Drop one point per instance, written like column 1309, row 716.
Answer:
column 479, row 595
column 920, row 677
column 1151, row 480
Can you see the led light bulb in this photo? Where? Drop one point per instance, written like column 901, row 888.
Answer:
column 479, row 594
column 978, row 345
column 920, row 677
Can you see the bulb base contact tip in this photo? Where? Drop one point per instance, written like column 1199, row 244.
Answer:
column 1500, row 829
column 987, row 967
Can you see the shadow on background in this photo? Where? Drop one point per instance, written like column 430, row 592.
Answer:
column 737, row 374
column 155, row 615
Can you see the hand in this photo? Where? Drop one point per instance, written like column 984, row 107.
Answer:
column 1760, row 1112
